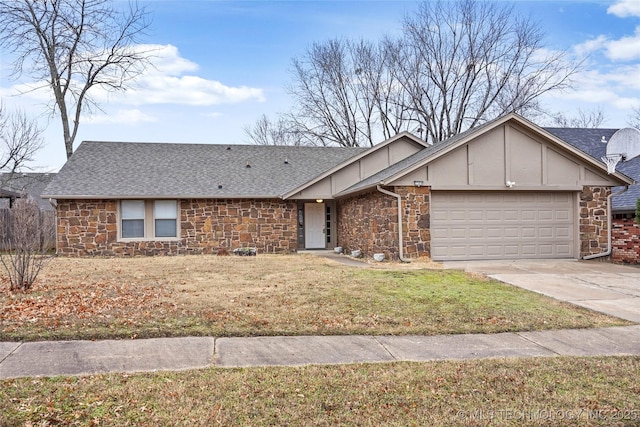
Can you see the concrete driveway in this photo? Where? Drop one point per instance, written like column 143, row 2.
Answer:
column 608, row 288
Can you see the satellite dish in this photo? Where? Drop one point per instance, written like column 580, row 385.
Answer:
column 623, row 146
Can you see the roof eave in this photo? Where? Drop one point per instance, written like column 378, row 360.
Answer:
column 159, row 196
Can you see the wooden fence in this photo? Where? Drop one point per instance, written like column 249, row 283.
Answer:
column 47, row 229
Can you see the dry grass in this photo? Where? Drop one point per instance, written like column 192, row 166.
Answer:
column 506, row 392
column 269, row 295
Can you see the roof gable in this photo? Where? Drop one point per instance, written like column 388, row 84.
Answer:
column 371, row 152
column 415, row 167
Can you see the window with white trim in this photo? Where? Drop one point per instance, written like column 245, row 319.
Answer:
column 149, row 219
column 133, row 213
column 165, row 213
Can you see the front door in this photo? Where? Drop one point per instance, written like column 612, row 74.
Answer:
column 314, row 226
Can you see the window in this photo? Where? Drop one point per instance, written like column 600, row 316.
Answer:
column 328, row 223
column 165, row 214
column 149, row 219
column 132, row 218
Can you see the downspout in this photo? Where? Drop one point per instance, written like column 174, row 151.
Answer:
column 54, row 205
column 400, row 241
column 609, row 238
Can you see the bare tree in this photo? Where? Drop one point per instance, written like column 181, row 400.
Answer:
column 634, row 118
column 346, row 94
column 457, row 64
column 268, row 132
column 589, row 119
column 23, row 251
column 20, row 139
column 329, row 102
column 72, row 46
column 465, row 62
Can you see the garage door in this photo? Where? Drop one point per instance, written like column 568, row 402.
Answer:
column 502, row 225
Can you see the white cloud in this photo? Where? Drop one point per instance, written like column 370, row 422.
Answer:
column 626, row 78
column 35, row 91
column 623, row 49
column 626, row 48
column 166, row 60
column 590, row 46
column 166, row 82
column 127, row 117
column 616, row 88
column 625, row 8
column 188, row 90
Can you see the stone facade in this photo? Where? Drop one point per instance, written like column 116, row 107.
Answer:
column 626, row 240
column 369, row 222
column 270, row 226
column 593, row 226
column 89, row 227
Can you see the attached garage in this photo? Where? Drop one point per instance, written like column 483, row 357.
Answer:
column 504, row 190
column 502, row 224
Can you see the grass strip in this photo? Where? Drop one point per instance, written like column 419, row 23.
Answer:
column 499, row 392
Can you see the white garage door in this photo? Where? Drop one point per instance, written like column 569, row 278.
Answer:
column 502, row 225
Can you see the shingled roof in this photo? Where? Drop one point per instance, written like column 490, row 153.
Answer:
column 163, row 170
column 590, row 141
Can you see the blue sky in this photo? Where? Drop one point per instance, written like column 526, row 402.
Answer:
column 222, row 64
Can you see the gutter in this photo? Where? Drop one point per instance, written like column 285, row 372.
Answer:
column 609, row 226
column 400, row 241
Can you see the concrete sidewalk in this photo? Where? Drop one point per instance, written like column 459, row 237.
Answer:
column 35, row 359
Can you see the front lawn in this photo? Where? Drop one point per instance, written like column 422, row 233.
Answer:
column 506, row 392
column 99, row 298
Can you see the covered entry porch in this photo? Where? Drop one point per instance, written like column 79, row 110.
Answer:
column 316, row 224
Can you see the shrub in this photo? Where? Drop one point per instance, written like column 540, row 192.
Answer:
column 24, row 251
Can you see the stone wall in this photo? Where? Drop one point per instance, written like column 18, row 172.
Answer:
column 89, row 227
column 86, row 227
column 369, row 222
column 270, row 226
column 417, row 214
column 593, row 227
column 626, row 241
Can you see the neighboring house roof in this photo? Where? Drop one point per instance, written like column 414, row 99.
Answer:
column 21, row 184
column 429, row 154
column 9, row 193
column 163, row 170
column 590, row 141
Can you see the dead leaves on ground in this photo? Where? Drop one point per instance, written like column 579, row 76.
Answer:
column 56, row 302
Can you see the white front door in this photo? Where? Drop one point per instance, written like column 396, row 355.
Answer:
column 314, row 226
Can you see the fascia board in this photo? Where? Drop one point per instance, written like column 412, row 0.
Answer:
column 155, row 197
